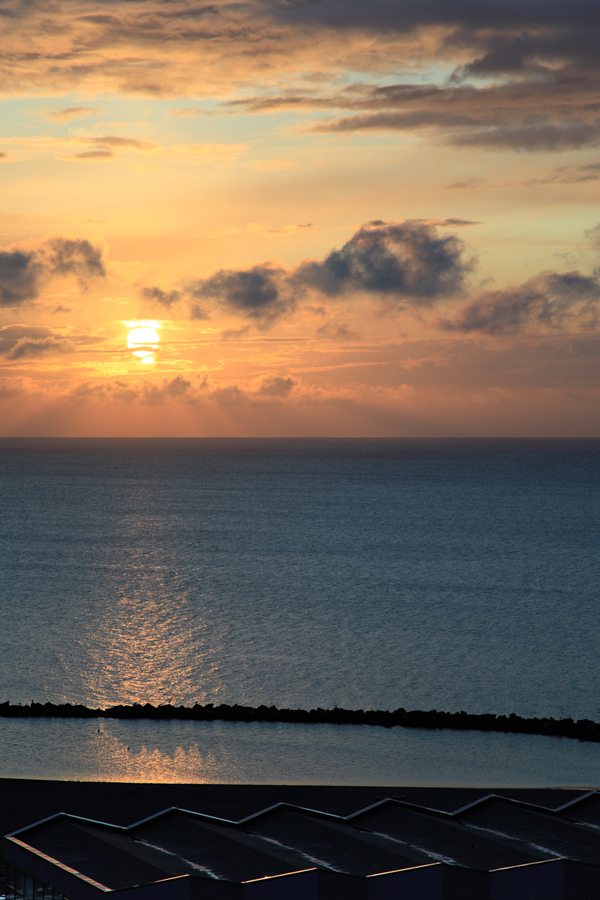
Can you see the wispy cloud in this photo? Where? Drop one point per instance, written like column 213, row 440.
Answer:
column 96, row 148
column 68, row 113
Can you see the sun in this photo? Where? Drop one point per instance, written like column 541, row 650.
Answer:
column 143, row 340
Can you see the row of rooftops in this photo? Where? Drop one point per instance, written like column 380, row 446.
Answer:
column 496, row 848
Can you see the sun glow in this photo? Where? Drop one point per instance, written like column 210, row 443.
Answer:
column 143, row 340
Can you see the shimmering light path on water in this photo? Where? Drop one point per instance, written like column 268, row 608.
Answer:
column 241, row 753
column 368, row 574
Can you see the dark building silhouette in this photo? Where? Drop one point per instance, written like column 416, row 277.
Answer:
column 493, row 849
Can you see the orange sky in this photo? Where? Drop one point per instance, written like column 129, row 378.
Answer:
column 340, row 218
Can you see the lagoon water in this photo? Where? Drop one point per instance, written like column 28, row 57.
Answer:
column 448, row 574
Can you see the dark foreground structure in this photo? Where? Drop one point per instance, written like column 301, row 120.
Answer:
column 495, row 848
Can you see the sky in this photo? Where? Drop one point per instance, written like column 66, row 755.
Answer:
column 336, row 218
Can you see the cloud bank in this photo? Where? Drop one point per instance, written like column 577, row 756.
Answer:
column 519, row 75
column 410, row 266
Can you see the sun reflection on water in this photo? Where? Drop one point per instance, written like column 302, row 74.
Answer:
column 117, row 761
column 149, row 636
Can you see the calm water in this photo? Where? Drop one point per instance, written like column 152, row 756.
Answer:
column 419, row 573
column 239, row 753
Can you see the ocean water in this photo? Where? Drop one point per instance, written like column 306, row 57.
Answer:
column 426, row 574
column 253, row 753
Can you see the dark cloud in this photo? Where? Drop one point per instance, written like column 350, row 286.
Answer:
column 531, row 136
column 24, row 271
column 457, row 223
column 20, row 276
column 37, row 347
column 149, row 393
column 19, row 341
column 478, row 130
column 197, row 312
column 79, row 257
column 471, row 15
column 258, row 293
column 231, row 395
column 177, row 389
column 230, row 334
column 550, row 301
column 338, row 332
column 272, row 387
column 510, row 60
column 164, row 298
column 544, row 98
column 276, row 386
column 407, row 261
column 393, row 121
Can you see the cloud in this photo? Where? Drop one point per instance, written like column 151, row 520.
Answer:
column 544, row 135
column 121, row 143
column 593, row 235
column 73, row 256
column 338, row 332
column 93, row 148
column 103, row 147
column 577, row 174
column 90, row 155
column 469, row 185
column 484, row 16
column 177, row 389
column 37, row 347
column 550, row 301
column 184, row 48
column 271, row 387
column 455, row 223
column 10, row 387
column 25, row 269
column 524, row 74
column 164, row 298
column 19, row 341
column 149, row 393
column 536, row 133
column 73, row 112
column 231, row 395
column 276, row 386
column 258, row 293
column 408, row 263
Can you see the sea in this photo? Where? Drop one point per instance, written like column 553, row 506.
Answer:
column 367, row 574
